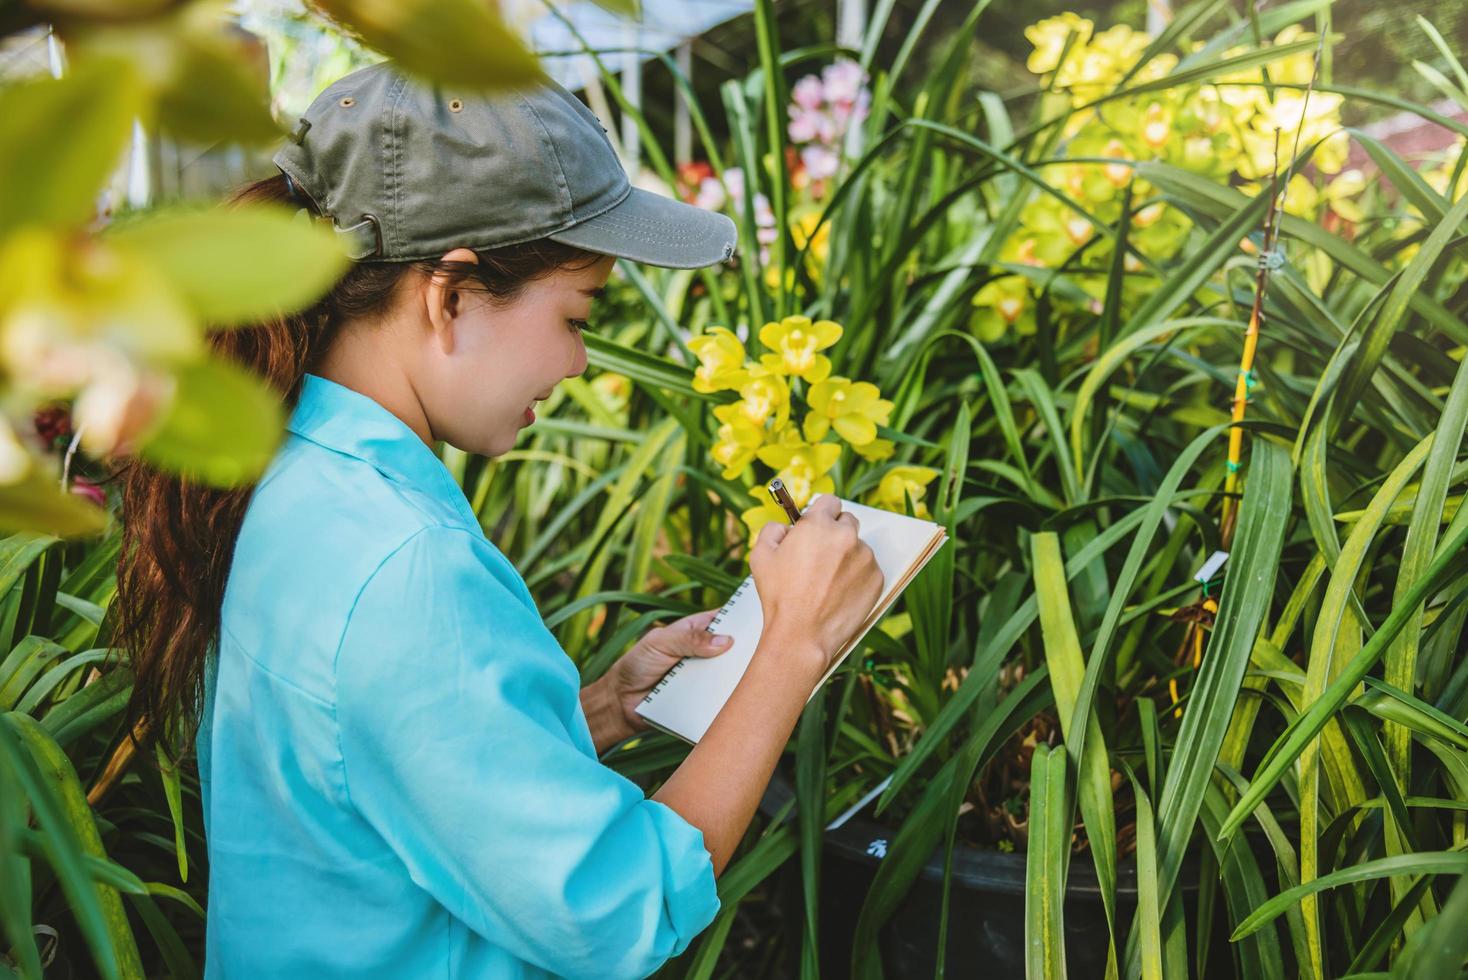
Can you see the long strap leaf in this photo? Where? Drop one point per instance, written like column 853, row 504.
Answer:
column 1093, row 776
column 1049, row 845
column 1448, row 566
column 1247, row 594
column 1432, row 862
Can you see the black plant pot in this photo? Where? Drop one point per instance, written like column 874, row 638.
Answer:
column 986, row 907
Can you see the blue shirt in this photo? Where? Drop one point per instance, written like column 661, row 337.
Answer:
column 398, row 777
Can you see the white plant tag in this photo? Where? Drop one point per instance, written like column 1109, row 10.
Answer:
column 1211, row 566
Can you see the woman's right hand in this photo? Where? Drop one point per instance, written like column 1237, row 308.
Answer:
column 817, row 581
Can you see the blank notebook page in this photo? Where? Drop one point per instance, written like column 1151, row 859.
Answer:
column 688, row 698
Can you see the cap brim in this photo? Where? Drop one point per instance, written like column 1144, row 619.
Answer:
column 657, row 230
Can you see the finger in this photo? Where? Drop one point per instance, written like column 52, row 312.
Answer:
column 847, row 517
column 770, row 536
column 706, row 644
column 700, row 620
column 689, row 637
column 826, row 506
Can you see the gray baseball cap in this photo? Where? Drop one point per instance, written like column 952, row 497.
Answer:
column 410, row 170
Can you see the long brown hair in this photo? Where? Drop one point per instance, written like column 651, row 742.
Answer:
column 178, row 536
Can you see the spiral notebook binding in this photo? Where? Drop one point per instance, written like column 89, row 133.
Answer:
column 712, row 627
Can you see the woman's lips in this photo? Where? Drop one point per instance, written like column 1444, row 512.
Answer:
column 529, row 416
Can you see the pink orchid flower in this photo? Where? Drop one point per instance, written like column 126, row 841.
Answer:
column 805, row 124
column 843, row 81
column 710, row 194
column 808, row 93
column 820, row 161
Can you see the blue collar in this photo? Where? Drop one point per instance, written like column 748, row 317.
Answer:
column 347, row 421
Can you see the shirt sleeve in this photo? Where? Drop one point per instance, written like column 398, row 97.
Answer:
column 457, row 709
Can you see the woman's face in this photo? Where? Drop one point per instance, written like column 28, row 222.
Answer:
column 486, row 366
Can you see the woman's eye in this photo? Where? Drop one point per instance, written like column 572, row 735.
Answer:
column 579, row 325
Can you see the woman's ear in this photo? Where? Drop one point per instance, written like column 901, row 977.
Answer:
column 443, row 299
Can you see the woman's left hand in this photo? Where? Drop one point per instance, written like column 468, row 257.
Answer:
column 640, row 668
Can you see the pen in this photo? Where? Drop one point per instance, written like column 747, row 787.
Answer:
column 782, row 497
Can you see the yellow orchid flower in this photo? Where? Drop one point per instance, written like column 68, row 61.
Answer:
column 800, row 229
column 738, row 440
column 1117, row 174
column 795, row 341
column 1321, row 120
column 764, row 395
column 1156, row 125
column 877, row 449
column 1147, row 216
column 1302, row 199
column 803, row 466
column 853, row 408
column 1442, row 175
column 815, row 256
column 762, row 513
column 911, row 480
column 720, row 360
column 772, row 277
column 1341, row 193
column 1232, row 127
column 1049, row 37
column 787, row 433
column 1000, row 306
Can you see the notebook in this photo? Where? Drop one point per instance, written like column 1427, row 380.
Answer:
column 688, row 698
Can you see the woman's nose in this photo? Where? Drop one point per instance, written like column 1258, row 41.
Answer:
column 578, row 363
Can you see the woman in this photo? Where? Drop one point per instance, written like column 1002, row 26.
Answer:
column 399, row 768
